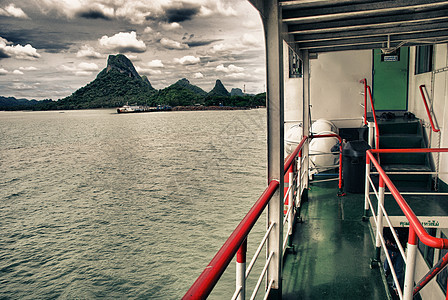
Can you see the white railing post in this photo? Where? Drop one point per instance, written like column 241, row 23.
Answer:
column 241, row 271
column 291, row 203
column 367, row 191
column 411, row 253
column 371, row 134
column 379, row 222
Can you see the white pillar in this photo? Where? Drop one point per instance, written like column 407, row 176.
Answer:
column 275, row 119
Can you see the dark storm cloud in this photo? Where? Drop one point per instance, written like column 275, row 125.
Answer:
column 181, row 12
column 50, row 42
column 93, row 14
column 3, row 54
column 201, row 43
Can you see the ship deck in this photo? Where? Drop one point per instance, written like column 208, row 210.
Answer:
column 333, row 250
column 333, row 247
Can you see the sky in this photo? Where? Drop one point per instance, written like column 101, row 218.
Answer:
column 51, row 48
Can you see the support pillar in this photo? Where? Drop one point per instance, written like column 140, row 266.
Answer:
column 306, row 116
column 275, row 128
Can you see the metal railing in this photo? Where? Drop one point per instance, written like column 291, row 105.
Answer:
column 367, row 91
column 237, row 242
column 421, row 87
column 416, row 229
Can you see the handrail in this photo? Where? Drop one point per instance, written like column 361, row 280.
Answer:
column 340, row 156
column 206, row 281
column 377, row 131
column 427, row 108
column 202, row 287
column 365, row 99
column 293, row 155
column 414, row 222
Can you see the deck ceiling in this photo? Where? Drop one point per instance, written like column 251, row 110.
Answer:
column 336, row 25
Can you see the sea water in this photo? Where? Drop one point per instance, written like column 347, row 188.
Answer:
column 96, row 204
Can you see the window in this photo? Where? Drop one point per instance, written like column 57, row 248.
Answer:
column 427, row 252
column 295, row 65
column 423, row 59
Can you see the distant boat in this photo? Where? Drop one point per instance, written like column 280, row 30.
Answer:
column 140, row 108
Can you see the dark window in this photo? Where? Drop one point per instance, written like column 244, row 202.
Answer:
column 423, row 59
column 295, row 65
column 428, row 252
column 443, row 276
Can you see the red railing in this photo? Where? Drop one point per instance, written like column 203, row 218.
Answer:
column 369, row 92
column 410, row 215
column 202, row 287
column 204, row 284
column 340, row 156
column 427, row 109
column 416, row 229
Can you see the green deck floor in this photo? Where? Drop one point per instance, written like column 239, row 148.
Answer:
column 333, row 250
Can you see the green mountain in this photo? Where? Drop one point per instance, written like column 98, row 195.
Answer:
column 119, row 83
column 219, row 90
column 116, row 85
column 180, row 93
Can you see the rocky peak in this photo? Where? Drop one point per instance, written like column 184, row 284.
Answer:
column 219, row 89
column 122, row 64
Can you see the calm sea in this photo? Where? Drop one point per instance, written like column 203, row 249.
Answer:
column 134, row 206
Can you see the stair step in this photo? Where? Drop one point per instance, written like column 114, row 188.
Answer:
column 401, row 141
column 401, row 127
column 405, row 168
column 404, row 158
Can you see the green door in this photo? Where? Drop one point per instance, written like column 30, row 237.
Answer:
column 390, row 79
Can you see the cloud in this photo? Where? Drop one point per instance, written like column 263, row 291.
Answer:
column 198, row 75
column 12, row 11
column 88, row 52
column 17, row 72
column 156, row 63
column 26, row 52
column 147, row 71
column 170, row 26
column 187, row 60
column 139, row 11
column 28, row 68
column 123, row 42
column 192, row 43
column 148, row 29
column 229, row 69
column 3, row 71
column 249, row 40
column 217, row 8
column 93, row 14
column 22, row 86
column 181, row 11
column 250, row 24
column 82, row 69
column 170, row 44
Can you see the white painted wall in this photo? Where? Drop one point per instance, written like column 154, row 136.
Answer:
column 293, row 93
column 335, row 88
column 436, row 86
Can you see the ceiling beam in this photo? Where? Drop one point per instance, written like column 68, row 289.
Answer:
column 338, row 12
column 434, row 36
column 400, row 28
column 359, row 47
column 369, row 23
